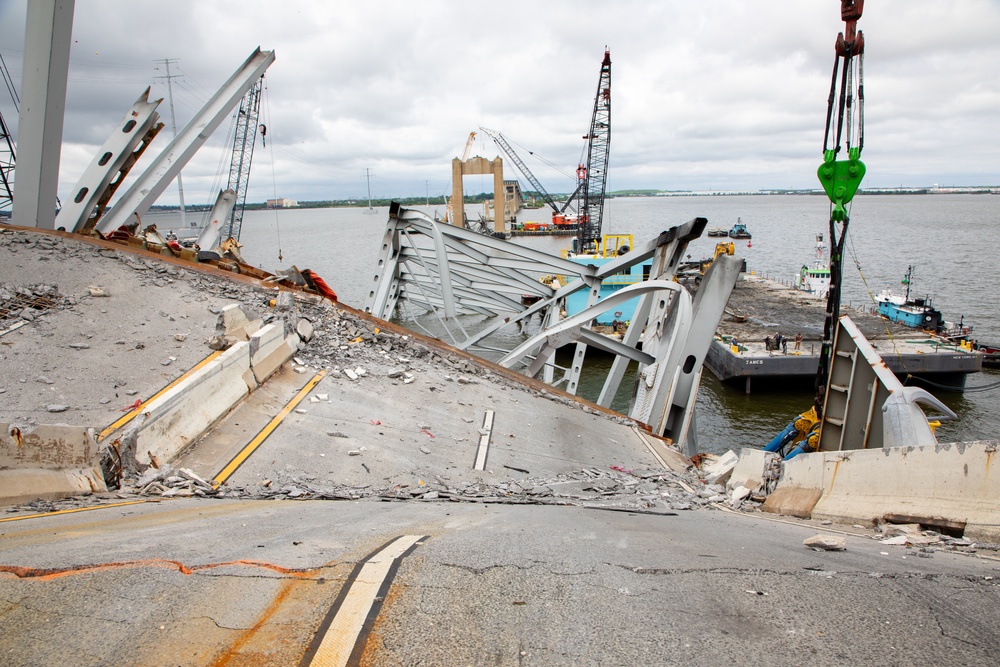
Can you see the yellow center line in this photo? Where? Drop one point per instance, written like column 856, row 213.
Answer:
column 265, row 432
column 131, row 415
column 76, row 509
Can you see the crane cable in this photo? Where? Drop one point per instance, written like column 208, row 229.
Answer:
column 274, row 179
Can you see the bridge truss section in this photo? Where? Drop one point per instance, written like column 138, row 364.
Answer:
column 481, row 293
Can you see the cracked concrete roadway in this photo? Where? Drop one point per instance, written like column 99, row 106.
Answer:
column 501, row 585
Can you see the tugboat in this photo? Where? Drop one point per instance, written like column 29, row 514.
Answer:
column 815, row 279
column 739, row 231
column 918, row 313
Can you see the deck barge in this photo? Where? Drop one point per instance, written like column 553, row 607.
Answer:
column 762, row 308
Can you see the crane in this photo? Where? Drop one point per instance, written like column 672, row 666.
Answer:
column 468, row 146
column 501, row 141
column 244, row 140
column 594, row 175
column 845, row 123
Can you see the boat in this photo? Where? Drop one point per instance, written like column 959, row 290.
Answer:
column 612, row 247
column 991, row 353
column 717, row 231
column 815, row 278
column 739, row 231
column 918, row 313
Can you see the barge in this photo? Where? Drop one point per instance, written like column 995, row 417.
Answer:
column 741, row 355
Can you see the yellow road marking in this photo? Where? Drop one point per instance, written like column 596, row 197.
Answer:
column 76, row 509
column 341, row 637
column 252, row 446
column 132, row 415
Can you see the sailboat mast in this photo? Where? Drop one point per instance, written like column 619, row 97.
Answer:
column 369, row 180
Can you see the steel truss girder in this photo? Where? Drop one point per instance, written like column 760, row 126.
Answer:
column 446, row 269
column 866, row 406
column 8, row 158
column 115, row 158
column 158, row 175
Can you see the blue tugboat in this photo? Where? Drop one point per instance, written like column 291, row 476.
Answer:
column 739, row 231
column 918, row 313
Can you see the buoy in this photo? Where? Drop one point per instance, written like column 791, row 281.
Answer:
column 749, row 244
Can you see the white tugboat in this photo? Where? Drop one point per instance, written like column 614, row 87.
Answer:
column 815, row 278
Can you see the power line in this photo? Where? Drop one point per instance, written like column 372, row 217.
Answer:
column 167, row 62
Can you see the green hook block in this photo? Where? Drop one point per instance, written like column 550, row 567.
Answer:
column 841, row 180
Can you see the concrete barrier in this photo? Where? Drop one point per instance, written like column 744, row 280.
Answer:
column 181, row 415
column 24, row 485
column 47, row 461
column 49, row 446
column 269, row 349
column 947, row 485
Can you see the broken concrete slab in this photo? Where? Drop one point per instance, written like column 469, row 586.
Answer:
column 305, row 330
column 750, row 469
column 825, row 543
column 265, row 366
column 718, row 469
column 238, row 320
column 266, row 340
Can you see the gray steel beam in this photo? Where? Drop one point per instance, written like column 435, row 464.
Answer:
column 211, row 235
column 47, row 35
column 108, row 162
column 158, row 176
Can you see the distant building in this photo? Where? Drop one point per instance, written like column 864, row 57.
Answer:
column 281, row 203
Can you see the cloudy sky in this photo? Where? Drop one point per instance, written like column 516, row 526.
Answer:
column 719, row 94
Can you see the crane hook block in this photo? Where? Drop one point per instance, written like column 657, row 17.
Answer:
column 840, row 179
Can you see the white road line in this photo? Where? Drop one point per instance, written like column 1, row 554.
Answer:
column 342, row 635
column 484, row 440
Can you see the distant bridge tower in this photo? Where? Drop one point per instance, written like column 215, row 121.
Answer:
column 474, row 166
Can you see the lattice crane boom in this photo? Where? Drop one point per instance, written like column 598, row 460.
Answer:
column 244, row 140
column 505, row 146
column 594, row 175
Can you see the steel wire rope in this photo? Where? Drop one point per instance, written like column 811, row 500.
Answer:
column 895, row 346
column 957, row 388
column 217, row 182
column 274, row 178
column 857, row 264
column 9, row 82
column 544, row 161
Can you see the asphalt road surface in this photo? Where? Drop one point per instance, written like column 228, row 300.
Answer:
column 226, row 582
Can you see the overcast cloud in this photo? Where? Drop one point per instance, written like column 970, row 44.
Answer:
column 720, row 94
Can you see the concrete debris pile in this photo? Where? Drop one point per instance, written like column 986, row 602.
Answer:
column 743, row 481
column 925, row 542
column 633, row 490
column 168, row 483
